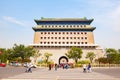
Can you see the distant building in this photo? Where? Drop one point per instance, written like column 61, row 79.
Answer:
column 58, row 35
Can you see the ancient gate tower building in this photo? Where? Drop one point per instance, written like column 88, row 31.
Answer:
column 58, row 35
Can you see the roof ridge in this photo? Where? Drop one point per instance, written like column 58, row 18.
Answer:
column 84, row 18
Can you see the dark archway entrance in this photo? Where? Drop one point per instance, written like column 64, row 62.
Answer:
column 63, row 60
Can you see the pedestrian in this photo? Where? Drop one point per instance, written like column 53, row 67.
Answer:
column 49, row 66
column 66, row 66
column 89, row 67
column 84, row 67
column 26, row 66
column 30, row 67
column 56, row 66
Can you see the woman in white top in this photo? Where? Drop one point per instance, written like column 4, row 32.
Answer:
column 84, row 67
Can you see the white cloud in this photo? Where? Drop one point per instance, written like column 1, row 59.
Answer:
column 5, row 19
column 13, row 20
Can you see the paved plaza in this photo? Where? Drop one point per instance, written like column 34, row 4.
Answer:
column 66, row 74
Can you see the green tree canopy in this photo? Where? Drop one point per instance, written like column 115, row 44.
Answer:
column 111, row 50
column 91, row 56
column 113, row 55
column 3, row 55
column 10, row 54
column 36, row 55
column 74, row 53
column 103, row 60
column 47, row 56
column 23, row 52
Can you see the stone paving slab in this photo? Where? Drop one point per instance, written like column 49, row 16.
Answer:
column 60, row 74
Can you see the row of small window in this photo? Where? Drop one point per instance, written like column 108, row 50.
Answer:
column 58, row 47
column 63, row 37
column 63, row 42
column 74, row 26
column 63, row 32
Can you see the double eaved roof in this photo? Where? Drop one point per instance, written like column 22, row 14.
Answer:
column 63, row 19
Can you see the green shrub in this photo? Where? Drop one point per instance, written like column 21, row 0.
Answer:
column 43, row 63
column 27, row 60
column 78, row 65
column 83, row 62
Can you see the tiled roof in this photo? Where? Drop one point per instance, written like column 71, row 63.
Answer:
column 63, row 29
column 63, row 19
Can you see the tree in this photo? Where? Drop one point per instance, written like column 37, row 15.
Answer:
column 91, row 56
column 36, row 55
column 102, row 60
column 118, row 61
column 74, row 53
column 47, row 56
column 10, row 54
column 3, row 55
column 113, row 55
column 23, row 52
column 111, row 50
column 119, row 51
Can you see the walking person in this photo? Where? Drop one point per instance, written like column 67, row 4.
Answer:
column 49, row 66
column 30, row 67
column 89, row 67
column 56, row 66
column 26, row 66
column 84, row 67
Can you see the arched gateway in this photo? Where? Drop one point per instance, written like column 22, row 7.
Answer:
column 63, row 59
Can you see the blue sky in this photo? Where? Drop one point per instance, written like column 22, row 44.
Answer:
column 17, row 19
